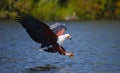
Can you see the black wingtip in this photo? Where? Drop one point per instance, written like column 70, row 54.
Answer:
column 20, row 16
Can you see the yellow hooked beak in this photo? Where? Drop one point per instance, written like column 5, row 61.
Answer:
column 69, row 37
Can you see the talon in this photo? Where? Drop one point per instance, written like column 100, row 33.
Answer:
column 70, row 54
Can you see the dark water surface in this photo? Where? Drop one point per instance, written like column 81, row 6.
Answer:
column 96, row 45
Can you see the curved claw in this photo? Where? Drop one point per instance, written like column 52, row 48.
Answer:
column 71, row 54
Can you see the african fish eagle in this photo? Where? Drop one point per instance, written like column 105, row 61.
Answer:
column 51, row 36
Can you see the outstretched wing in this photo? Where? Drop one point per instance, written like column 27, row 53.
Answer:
column 39, row 31
column 58, row 28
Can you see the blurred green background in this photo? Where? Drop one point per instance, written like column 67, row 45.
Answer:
column 62, row 9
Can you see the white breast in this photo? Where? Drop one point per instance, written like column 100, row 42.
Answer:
column 61, row 39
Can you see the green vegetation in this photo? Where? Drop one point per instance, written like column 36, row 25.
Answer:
column 62, row 9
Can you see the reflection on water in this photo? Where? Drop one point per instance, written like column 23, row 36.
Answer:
column 43, row 68
column 96, row 45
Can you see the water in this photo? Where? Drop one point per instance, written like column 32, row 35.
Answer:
column 96, row 45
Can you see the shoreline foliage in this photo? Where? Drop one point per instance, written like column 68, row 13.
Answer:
column 62, row 9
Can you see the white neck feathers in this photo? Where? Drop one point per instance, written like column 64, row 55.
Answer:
column 62, row 38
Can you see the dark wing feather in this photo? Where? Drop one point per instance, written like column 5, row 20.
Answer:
column 52, row 49
column 38, row 31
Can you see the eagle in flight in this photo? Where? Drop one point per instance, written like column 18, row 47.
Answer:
column 50, row 37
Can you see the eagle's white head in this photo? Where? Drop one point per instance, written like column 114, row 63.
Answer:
column 67, row 36
column 62, row 38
